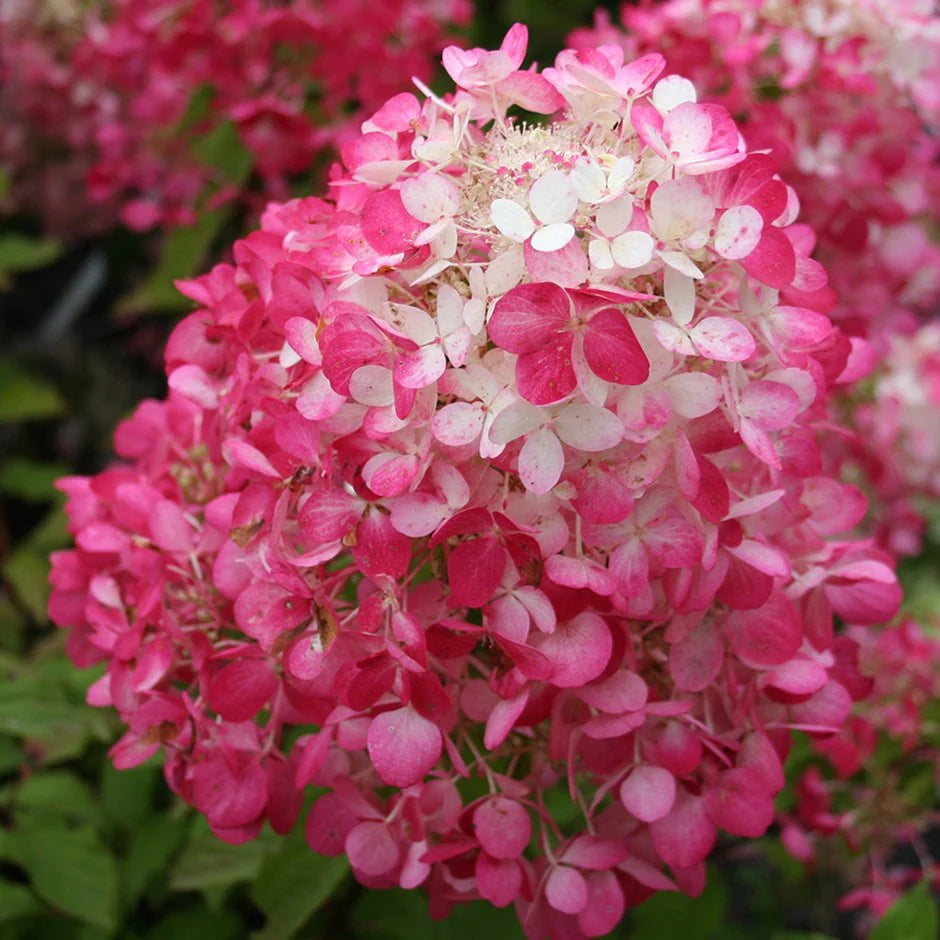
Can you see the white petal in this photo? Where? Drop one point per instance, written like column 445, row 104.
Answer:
column 599, row 253
column 552, row 237
column 680, row 295
column 679, row 261
column 511, row 219
column 632, row 249
column 417, row 514
column 459, row 423
column 514, row 421
column 552, row 198
column 288, row 356
column 738, row 232
column 620, row 174
column 613, row 217
column 449, row 310
column 589, row 428
column 372, row 385
column 693, row 394
column 429, row 197
column 587, row 180
column 671, row 91
column 451, row 484
column 444, row 244
column 457, row 345
column 412, row 322
column 592, row 387
column 505, row 271
column 541, row 461
column 474, row 315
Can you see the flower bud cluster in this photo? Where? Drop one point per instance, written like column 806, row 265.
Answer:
column 488, row 496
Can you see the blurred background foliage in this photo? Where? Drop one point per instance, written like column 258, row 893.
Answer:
column 87, row 852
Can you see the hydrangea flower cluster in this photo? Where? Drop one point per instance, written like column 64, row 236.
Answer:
column 93, row 100
column 844, row 94
column 487, row 496
column 875, row 811
column 897, row 446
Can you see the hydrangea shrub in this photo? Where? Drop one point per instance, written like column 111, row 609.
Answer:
column 488, row 496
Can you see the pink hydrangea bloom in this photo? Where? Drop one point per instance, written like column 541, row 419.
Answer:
column 844, row 94
column 101, row 101
column 476, row 504
column 863, row 802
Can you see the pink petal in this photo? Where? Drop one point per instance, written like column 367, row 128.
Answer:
column 546, row 375
column 773, row 261
column 579, row 649
column 769, row 635
column 566, row 890
column 498, row 881
column 420, row 367
column 624, row 691
column 770, row 405
column 605, row 906
column 532, row 92
column 239, row 690
column 502, row 719
column 474, row 570
column 740, row 803
column 696, row 659
column 613, row 351
column 723, row 339
column 566, row 267
column 503, row 827
column 371, row 849
column 686, row 836
column 528, row 316
column 403, row 746
column 648, row 792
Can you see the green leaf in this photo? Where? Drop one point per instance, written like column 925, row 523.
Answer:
column 127, row 795
column 183, row 253
column 208, row 862
column 38, row 710
column 911, row 917
column 15, row 901
column 71, row 870
column 403, row 915
column 24, row 397
column 152, row 847
column 185, row 249
column 30, row 479
column 222, row 149
column 55, row 794
column 675, row 916
column 197, row 923
column 27, row 572
column 11, row 757
column 292, row 885
column 21, row 253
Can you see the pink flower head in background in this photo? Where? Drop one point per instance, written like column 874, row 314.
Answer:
column 115, row 105
column 490, row 484
column 844, row 94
